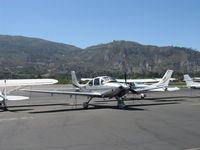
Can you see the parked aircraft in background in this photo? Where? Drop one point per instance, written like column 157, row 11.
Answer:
column 135, row 81
column 106, row 87
column 190, row 83
column 16, row 84
column 166, row 78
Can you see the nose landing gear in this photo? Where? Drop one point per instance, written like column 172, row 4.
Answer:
column 120, row 102
column 3, row 106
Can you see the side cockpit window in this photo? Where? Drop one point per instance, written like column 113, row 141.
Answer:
column 96, row 81
column 90, row 83
column 102, row 81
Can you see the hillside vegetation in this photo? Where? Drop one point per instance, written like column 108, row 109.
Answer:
column 24, row 57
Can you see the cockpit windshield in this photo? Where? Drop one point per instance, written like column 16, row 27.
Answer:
column 107, row 79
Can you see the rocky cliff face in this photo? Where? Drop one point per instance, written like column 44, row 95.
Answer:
column 134, row 57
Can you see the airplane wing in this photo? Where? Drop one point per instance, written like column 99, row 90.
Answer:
column 139, row 80
column 67, row 92
column 153, row 80
column 148, row 88
column 26, row 82
column 15, row 98
column 170, row 89
column 143, row 80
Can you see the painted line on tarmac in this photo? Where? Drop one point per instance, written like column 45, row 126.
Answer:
column 10, row 119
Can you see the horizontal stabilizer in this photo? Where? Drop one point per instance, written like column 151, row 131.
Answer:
column 15, row 98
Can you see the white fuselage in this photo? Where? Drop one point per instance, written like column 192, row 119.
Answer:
column 106, row 88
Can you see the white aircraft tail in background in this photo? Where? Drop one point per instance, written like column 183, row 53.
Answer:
column 164, row 82
column 165, row 79
column 190, row 83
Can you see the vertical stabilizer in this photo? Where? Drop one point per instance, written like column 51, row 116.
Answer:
column 166, row 78
column 74, row 79
column 188, row 80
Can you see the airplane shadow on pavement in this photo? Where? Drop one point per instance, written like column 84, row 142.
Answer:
column 97, row 106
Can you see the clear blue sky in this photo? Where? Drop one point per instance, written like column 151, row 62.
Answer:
column 89, row 22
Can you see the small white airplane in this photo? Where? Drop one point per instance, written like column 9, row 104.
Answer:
column 190, row 83
column 165, row 81
column 106, row 87
column 16, row 84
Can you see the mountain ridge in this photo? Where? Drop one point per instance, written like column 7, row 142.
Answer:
column 25, row 57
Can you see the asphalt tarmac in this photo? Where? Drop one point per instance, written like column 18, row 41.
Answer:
column 163, row 121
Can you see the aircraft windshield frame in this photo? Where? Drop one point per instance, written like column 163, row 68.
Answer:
column 107, row 79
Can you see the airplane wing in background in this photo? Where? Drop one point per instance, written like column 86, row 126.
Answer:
column 170, row 89
column 17, row 84
column 139, row 80
column 15, row 98
column 130, row 80
column 26, row 82
column 149, row 88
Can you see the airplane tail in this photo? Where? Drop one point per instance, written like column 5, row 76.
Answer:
column 166, row 78
column 188, row 80
column 74, row 80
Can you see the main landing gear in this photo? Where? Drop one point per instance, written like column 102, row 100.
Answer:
column 86, row 104
column 142, row 96
column 120, row 102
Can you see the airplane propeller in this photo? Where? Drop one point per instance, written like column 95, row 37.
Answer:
column 131, row 88
column 125, row 77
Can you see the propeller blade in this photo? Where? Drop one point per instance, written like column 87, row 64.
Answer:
column 132, row 90
column 125, row 77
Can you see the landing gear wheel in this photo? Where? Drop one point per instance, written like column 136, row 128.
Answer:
column 121, row 104
column 85, row 105
column 4, row 108
column 143, row 96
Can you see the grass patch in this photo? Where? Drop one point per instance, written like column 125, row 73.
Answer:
column 177, row 83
